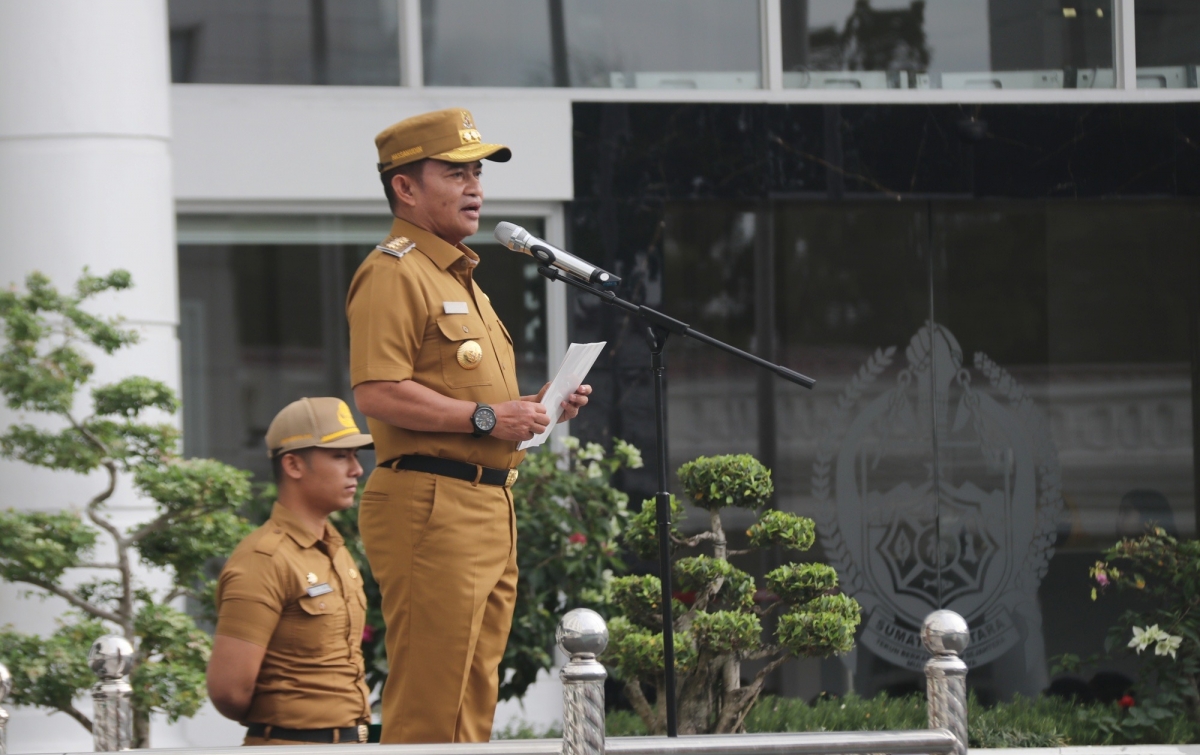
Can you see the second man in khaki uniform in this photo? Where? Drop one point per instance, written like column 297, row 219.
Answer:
column 287, row 657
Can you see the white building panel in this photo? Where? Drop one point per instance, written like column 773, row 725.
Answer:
column 305, row 144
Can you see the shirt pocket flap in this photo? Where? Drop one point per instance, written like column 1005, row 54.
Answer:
column 461, row 327
column 318, row 606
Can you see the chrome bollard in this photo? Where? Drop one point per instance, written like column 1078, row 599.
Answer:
column 583, row 635
column 945, row 635
column 5, row 688
column 111, row 658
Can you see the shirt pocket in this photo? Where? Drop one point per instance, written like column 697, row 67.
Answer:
column 455, row 331
column 320, row 625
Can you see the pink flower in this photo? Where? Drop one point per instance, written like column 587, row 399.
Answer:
column 577, row 538
column 368, row 633
column 1102, row 579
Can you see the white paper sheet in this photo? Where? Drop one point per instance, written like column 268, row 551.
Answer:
column 575, row 365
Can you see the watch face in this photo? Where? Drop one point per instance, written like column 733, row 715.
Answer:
column 485, row 418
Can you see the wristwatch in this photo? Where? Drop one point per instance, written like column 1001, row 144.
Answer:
column 483, row 420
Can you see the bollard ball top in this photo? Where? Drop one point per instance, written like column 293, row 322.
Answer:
column 582, row 630
column 5, row 682
column 945, row 632
column 111, row 657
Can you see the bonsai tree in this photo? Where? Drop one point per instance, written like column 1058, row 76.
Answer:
column 82, row 554
column 719, row 610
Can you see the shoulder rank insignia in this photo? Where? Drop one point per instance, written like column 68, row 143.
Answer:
column 397, row 246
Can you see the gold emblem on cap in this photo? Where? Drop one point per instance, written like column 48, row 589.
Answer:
column 467, row 120
column 312, row 578
column 469, row 355
column 345, row 417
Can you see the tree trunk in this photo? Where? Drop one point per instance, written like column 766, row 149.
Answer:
column 697, row 692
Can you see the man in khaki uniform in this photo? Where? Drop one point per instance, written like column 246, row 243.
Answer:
column 287, row 656
column 434, row 371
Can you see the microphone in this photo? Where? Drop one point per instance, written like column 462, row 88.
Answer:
column 520, row 240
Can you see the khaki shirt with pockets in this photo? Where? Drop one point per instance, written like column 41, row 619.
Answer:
column 312, row 676
column 409, row 312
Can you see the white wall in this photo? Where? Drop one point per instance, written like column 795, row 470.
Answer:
column 300, row 144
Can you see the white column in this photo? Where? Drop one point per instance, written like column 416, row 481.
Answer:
column 412, row 61
column 770, row 24
column 85, row 179
column 1124, row 45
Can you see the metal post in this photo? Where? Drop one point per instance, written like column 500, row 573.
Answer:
column 111, row 658
column 5, row 688
column 583, row 635
column 946, row 635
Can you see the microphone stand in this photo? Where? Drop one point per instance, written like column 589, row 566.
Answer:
column 658, row 327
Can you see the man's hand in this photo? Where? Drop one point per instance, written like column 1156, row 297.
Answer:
column 570, row 407
column 575, row 402
column 519, row 420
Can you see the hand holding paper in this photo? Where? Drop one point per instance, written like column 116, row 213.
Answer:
column 579, row 359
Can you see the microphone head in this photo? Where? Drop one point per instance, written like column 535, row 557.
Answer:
column 505, row 231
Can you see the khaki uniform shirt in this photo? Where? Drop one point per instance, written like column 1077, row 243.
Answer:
column 312, row 676
column 409, row 315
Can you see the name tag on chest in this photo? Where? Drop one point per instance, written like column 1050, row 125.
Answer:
column 455, row 307
column 320, row 589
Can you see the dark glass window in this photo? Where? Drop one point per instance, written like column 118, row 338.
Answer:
column 343, row 42
column 1168, row 43
column 947, row 44
column 617, row 43
column 1005, row 388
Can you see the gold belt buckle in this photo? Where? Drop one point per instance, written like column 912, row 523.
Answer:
column 511, row 479
column 362, row 733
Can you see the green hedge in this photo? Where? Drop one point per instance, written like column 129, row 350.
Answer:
column 1042, row 722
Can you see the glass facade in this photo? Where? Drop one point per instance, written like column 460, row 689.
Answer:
column 347, row 42
column 617, row 43
column 947, row 44
column 683, row 44
column 1168, row 43
column 263, row 323
column 1005, row 334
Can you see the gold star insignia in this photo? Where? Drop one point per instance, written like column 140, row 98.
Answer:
column 312, row 578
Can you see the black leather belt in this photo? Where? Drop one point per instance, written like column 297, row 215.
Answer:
column 323, row 736
column 472, row 473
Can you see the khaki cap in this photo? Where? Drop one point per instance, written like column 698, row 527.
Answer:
column 448, row 135
column 314, row 423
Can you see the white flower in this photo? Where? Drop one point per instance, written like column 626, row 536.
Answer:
column 592, row 452
column 1144, row 638
column 594, row 471
column 628, row 453
column 1167, row 645
column 570, row 442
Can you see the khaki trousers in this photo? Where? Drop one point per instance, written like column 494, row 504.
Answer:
column 444, row 554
